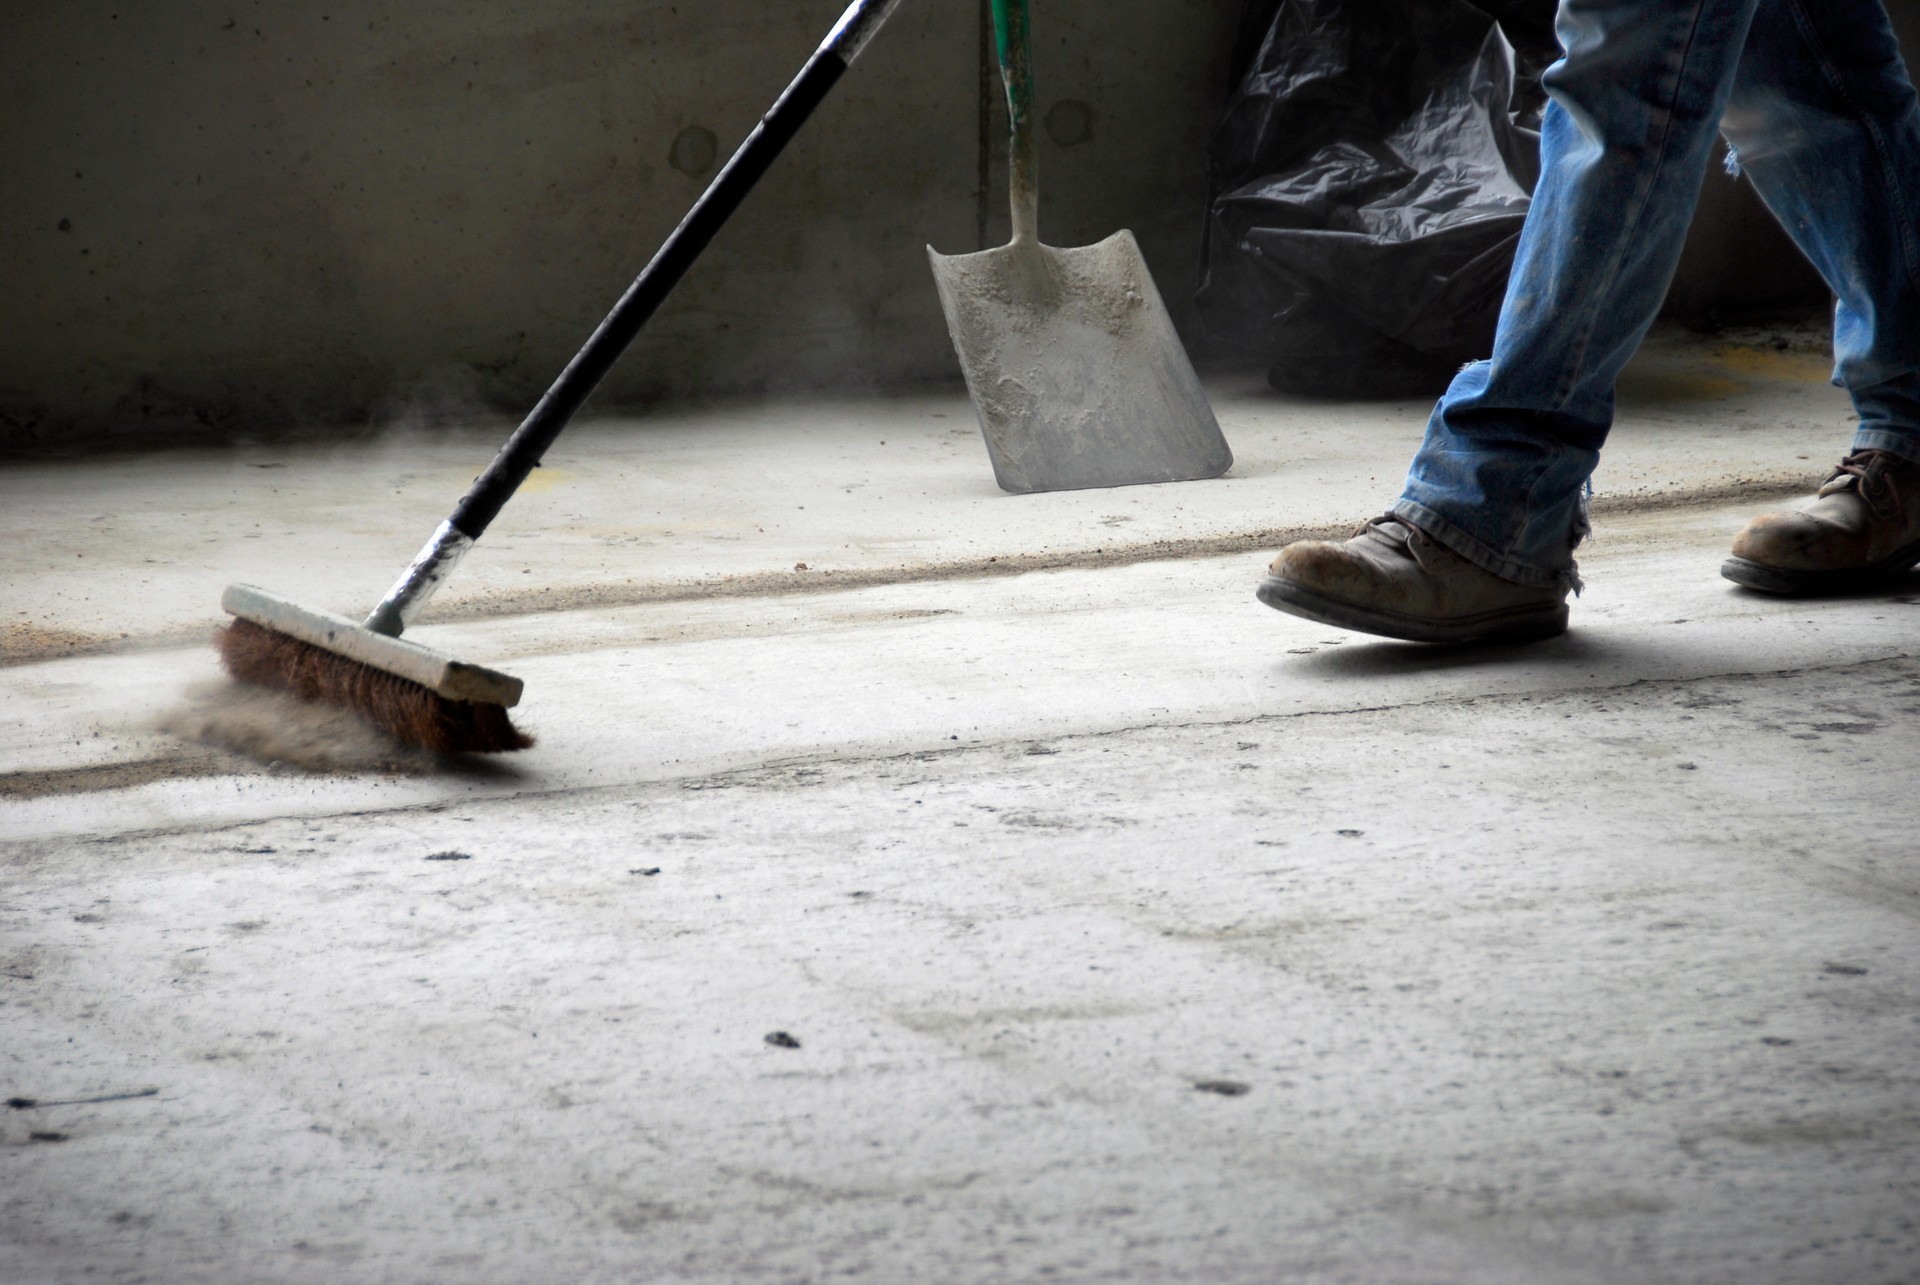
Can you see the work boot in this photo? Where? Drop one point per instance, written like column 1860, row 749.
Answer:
column 1862, row 528
column 1392, row 579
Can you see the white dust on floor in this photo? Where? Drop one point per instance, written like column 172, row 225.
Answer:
column 274, row 728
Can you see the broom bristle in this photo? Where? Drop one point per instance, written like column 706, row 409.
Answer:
column 415, row 714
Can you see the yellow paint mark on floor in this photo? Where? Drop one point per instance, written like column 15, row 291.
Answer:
column 716, row 528
column 544, row 479
column 1675, row 384
column 1793, row 365
column 1724, row 371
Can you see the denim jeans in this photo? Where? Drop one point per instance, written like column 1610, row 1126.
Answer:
column 1822, row 117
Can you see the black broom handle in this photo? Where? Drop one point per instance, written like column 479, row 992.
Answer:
column 493, row 488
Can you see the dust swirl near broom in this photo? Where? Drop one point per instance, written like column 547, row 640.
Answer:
column 406, row 711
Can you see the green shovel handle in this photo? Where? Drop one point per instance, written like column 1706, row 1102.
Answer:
column 1016, row 70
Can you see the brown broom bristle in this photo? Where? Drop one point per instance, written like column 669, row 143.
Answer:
column 410, row 712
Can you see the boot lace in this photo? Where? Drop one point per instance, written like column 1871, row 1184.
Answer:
column 1403, row 535
column 1869, row 474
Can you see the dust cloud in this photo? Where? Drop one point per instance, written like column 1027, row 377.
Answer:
column 276, row 729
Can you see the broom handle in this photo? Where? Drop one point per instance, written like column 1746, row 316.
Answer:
column 493, row 488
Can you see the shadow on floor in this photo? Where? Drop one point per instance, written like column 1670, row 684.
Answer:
column 1385, row 658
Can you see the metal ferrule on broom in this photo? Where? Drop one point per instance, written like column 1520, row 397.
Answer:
column 421, row 580
column 855, row 28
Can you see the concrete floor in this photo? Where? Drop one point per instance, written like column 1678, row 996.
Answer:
column 1115, row 927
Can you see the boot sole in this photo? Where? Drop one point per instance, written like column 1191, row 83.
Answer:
column 1510, row 624
column 1749, row 574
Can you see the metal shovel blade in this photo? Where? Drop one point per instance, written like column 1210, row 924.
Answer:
column 1074, row 367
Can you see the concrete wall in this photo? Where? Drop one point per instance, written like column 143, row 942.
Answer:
column 248, row 214
column 253, row 213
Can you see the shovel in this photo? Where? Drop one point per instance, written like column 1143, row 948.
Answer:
column 1071, row 360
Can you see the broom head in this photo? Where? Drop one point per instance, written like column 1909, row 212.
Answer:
column 416, row 694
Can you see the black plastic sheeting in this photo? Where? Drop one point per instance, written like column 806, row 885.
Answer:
column 1369, row 178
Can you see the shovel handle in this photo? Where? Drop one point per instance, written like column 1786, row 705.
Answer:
column 1016, row 70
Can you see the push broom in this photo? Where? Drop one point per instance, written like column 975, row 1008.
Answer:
column 422, row 696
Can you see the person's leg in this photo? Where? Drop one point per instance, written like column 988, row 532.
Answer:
column 1824, row 121
column 1481, row 542
column 1636, row 104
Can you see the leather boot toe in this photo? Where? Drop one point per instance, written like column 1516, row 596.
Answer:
column 1862, row 528
column 1394, row 580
